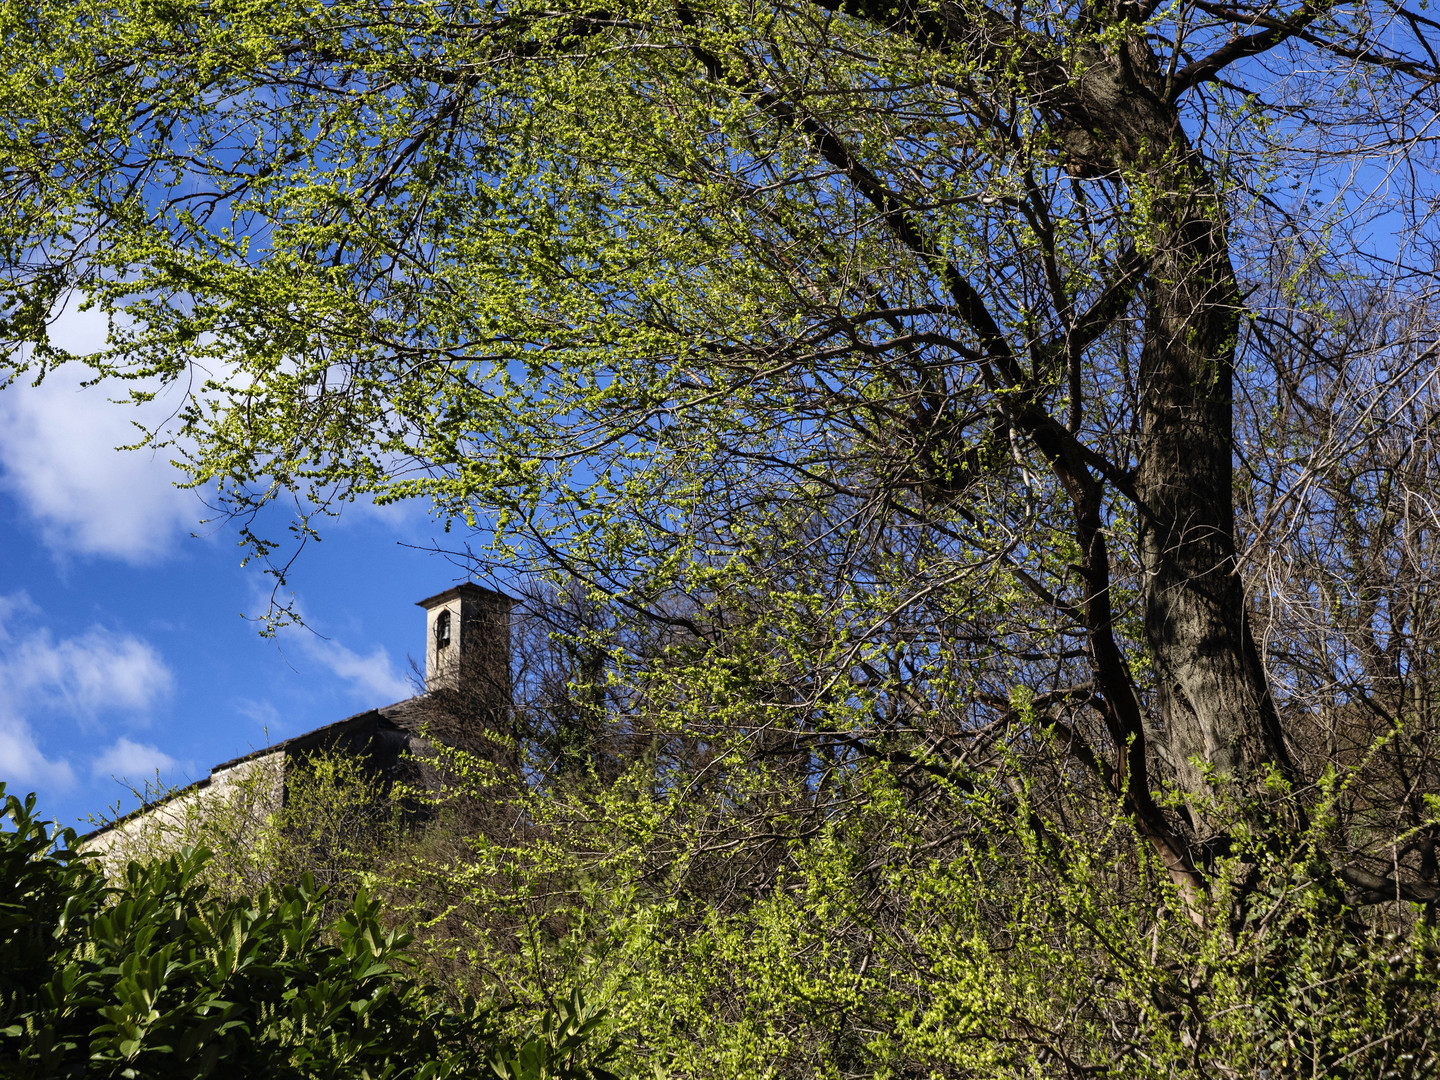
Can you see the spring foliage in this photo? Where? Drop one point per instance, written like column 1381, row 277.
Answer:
column 987, row 461
column 877, row 361
column 973, row 931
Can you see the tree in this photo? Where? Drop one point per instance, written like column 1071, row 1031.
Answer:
column 885, row 358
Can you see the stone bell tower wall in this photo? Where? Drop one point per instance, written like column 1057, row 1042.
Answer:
column 467, row 643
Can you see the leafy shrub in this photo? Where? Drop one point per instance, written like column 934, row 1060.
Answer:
column 156, row 977
column 980, row 932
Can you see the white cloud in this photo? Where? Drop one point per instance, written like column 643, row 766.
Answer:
column 58, row 457
column 134, row 762
column 263, row 713
column 22, row 765
column 80, row 677
column 84, row 675
column 371, row 678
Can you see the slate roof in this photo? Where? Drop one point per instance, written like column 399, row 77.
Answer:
column 400, row 719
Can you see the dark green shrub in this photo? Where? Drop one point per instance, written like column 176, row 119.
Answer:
column 156, row 977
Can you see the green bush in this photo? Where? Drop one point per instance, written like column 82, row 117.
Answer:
column 156, row 977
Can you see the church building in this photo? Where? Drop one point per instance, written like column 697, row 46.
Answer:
column 466, row 700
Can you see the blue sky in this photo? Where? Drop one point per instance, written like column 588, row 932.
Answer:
column 123, row 646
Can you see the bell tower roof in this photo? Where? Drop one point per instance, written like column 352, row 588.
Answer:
column 467, row 590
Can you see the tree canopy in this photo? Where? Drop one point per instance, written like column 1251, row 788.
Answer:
column 928, row 381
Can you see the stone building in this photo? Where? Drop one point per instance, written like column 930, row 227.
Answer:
column 466, row 704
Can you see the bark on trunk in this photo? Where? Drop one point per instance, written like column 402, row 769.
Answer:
column 1215, row 704
column 1216, row 712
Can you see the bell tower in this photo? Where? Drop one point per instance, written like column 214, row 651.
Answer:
column 467, row 642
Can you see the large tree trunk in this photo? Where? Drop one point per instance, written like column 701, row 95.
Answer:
column 1217, row 718
column 1215, row 704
